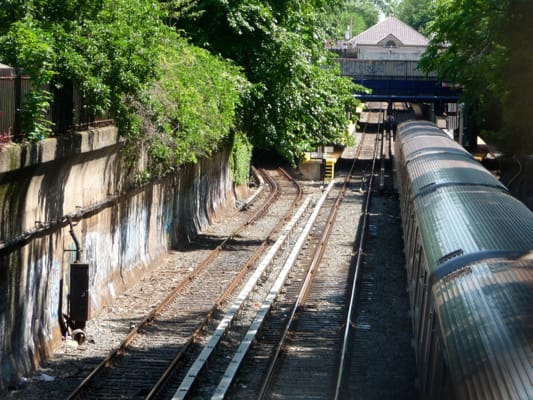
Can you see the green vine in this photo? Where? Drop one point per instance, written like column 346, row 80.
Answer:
column 189, row 111
column 241, row 154
column 31, row 47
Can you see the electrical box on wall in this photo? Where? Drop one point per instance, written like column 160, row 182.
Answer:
column 79, row 292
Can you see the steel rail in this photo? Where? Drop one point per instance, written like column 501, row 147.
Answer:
column 187, row 384
column 114, row 354
column 167, row 374
column 362, row 230
column 312, row 269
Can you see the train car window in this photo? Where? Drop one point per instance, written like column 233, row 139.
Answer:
column 427, row 321
column 419, row 274
column 409, row 246
column 406, row 203
column 413, row 278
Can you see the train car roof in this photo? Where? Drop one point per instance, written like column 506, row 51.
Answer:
column 408, row 129
column 465, row 223
column 423, row 144
column 429, row 171
column 405, row 126
column 486, row 318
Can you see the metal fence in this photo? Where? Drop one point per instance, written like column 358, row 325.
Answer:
column 12, row 89
column 67, row 112
column 392, row 69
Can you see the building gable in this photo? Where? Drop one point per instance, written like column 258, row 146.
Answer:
column 401, row 33
column 390, row 41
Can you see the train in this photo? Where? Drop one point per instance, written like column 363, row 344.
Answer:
column 469, row 260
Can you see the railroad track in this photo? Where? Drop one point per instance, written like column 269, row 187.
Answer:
column 379, row 156
column 377, row 358
column 224, row 347
column 306, row 359
column 289, row 315
column 162, row 337
column 270, row 310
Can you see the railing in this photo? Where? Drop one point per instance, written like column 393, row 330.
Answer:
column 66, row 113
column 13, row 87
column 391, row 69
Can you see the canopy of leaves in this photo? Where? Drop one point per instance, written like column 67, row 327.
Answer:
column 190, row 109
column 298, row 99
column 173, row 101
column 124, row 57
column 483, row 45
column 350, row 17
column 107, row 48
column 416, row 13
column 387, row 7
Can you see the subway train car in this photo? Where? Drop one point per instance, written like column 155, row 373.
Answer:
column 469, row 260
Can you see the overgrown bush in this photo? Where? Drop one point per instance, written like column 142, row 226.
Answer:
column 190, row 110
column 174, row 102
column 241, row 154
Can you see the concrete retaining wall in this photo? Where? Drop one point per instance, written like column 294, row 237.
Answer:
column 81, row 179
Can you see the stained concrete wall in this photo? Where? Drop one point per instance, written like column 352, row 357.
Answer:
column 121, row 229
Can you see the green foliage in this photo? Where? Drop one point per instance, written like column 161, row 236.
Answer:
column 106, row 47
column 190, row 109
column 387, row 7
column 26, row 44
column 173, row 102
column 416, row 13
column 480, row 44
column 33, row 115
column 174, row 9
column 354, row 16
column 241, row 154
column 298, row 100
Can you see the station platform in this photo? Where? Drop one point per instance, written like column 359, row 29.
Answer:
column 320, row 165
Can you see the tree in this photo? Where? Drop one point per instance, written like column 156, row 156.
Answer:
column 298, row 99
column 106, row 48
column 480, row 44
column 189, row 111
column 354, row 16
column 174, row 102
column 387, row 7
column 416, row 13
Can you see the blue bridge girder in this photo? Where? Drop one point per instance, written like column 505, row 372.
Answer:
column 408, row 90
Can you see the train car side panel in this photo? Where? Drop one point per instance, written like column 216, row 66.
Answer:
column 469, row 260
column 485, row 318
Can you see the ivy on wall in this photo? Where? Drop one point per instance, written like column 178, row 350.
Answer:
column 108, row 49
column 189, row 111
column 241, row 154
column 172, row 101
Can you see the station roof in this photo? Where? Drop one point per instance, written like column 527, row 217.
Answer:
column 407, row 35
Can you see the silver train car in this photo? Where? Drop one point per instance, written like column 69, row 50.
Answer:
column 469, row 260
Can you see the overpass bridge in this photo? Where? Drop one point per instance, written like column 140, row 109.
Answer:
column 384, row 58
column 397, row 78
column 401, row 81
